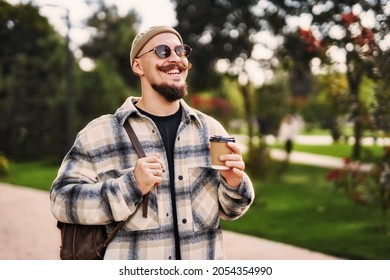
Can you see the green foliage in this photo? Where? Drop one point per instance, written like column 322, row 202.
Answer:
column 361, row 44
column 258, row 162
column 330, row 107
column 232, row 94
column 112, row 41
column 299, row 207
column 4, row 166
column 381, row 103
column 223, row 103
column 32, row 66
column 272, row 101
column 99, row 92
column 227, row 35
column 33, row 98
column 104, row 89
column 31, row 74
column 369, row 188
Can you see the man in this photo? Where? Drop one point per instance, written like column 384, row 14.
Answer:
column 102, row 180
column 288, row 131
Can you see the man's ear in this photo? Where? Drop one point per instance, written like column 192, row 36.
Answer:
column 137, row 68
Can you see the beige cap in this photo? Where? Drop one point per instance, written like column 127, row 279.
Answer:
column 142, row 38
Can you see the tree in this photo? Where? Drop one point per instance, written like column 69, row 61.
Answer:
column 98, row 92
column 329, row 105
column 381, row 107
column 112, row 40
column 339, row 25
column 32, row 63
column 104, row 89
column 227, row 37
column 272, row 103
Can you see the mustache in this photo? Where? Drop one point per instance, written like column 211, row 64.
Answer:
column 180, row 66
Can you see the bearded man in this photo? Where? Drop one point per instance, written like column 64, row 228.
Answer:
column 102, row 180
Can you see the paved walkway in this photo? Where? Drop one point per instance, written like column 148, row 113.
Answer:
column 28, row 232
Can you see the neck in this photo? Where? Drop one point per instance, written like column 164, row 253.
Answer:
column 157, row 105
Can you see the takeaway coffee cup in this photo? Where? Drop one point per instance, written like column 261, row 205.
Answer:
column 218, row 147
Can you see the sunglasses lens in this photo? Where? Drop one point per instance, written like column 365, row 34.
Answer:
column 163, row 51
column 183, row 51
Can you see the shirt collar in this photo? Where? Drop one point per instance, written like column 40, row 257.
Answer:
column 128, row 108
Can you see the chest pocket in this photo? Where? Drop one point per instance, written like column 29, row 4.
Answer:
column 204, row 182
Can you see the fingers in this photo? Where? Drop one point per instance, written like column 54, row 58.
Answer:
column 233, row 160
column 148, row 172
column 236, row 165
column 234, row 147
column 151, row 163
column 157, row 172
column 154, row 164
column 154, row 160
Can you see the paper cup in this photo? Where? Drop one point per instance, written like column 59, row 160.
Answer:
column 218, row 147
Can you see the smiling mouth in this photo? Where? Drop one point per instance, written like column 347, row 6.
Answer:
column 173, row 72
column 173, row 69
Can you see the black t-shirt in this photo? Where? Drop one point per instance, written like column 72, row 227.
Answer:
column 167, row 127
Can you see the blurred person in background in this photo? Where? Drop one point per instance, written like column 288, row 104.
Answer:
column 288, row 131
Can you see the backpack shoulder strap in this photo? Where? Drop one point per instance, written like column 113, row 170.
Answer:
column 134, row 139
column 140, row 151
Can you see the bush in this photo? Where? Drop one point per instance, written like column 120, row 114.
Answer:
column 258, row 162
column 366, row 187
column 4, row 166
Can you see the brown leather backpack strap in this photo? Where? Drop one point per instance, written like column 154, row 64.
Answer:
column 111, row 236
column 140, row 151
column 134, row 139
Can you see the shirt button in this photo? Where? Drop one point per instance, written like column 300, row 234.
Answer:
column 180, row 177
column 184, row 221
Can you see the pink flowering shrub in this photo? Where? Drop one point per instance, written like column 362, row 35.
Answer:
column 365, row 186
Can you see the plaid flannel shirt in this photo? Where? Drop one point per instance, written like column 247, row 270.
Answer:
column 96, row 185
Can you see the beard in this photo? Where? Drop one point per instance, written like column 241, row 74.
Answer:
column 170, row 93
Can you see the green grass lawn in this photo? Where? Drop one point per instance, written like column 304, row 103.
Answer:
column 297, row 207
column 37, row 175
column 301, row 208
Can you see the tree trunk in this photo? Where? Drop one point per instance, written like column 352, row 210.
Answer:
column 248, row 114
column 354, row 74
column 358, row 133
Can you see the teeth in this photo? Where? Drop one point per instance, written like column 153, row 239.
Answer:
column 173, row 72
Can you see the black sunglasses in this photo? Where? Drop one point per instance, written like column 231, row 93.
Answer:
column 163, row 51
